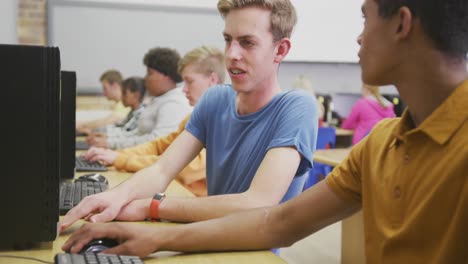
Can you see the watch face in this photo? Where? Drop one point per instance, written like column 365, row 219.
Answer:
column 159, row 196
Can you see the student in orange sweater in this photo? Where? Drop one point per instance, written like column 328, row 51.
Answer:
column 200, row 68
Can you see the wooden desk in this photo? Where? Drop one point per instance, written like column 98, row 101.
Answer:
column 331, row 157
column 343, row 132
column 93, row 102
column 352, row 228
column 47, row 251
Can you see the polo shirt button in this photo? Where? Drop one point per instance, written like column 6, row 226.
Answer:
column 407, row 159
column 397, row 192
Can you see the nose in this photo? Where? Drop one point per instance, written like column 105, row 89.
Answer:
column 359, row 39
column 185, row 89
column 233, row 51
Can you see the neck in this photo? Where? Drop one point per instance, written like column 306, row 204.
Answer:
column 251, row 102
column 425, row 86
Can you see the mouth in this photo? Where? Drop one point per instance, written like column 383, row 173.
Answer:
column 236, row 71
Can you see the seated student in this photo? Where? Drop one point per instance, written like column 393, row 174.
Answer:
column 409, row 175
column 111, row 81
column 367, row 112
column 167, row 107
column 133, row 92
column 303, row 83
column 200, row 69
column 259, row 139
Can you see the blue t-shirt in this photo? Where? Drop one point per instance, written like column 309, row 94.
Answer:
column 237, row 144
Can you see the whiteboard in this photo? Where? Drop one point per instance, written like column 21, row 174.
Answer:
column 96, row 35
column 326, row 31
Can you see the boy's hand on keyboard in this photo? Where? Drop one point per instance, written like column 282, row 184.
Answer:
column 105, row 156
column 134, row 239
column 102, row 207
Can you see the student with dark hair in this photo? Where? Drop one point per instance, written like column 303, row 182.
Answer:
column 163, row 111
column 133, row 92
column 111, row 82
column 409, row 175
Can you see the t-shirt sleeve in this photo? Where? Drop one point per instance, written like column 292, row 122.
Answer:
column 297, row 127
column 198, row 120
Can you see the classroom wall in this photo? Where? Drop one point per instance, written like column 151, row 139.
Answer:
column 326, row 77
column 8, row 15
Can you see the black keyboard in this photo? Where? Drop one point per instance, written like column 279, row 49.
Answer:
column 81, row 145
column 85, row 165
column 71, row 193
column 68, row 258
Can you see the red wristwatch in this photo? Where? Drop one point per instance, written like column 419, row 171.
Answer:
column 154, row 206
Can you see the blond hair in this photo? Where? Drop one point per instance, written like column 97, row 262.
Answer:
column 375, row 91
column 112, row 76
column 205, row 60
column 283, row 16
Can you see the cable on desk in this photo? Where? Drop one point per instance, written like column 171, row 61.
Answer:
column 29, row 258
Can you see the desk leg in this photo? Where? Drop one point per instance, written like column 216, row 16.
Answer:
column 352, row 240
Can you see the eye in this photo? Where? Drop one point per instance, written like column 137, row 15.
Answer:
column 247, row 43
column 227, row 39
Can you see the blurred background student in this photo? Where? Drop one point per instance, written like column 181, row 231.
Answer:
column 304, row 83
column 201, row 68
column 367, row 112
column 111, row 82
column 133, row 92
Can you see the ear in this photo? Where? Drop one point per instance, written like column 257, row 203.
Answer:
column 282, row 49
column 213, row 79
column 405, row 18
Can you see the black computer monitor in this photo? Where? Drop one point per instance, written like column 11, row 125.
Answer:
column 30, row 107
column 67, row 124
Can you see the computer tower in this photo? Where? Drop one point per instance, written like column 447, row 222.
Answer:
column 67, row 124
column 30, row 79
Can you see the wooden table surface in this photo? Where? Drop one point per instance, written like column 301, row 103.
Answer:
column 47, row 251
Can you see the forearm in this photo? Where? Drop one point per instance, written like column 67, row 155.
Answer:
column 261, row 228
column 245, row 231
column 144, row 184
column 205, row 208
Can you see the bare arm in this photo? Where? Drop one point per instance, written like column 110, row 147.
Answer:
column 143, row 184
column 268, row 187
column 261, row 228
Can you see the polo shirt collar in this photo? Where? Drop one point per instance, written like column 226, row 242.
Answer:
column 443, row 122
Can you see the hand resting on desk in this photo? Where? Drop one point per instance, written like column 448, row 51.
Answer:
column 105, row 156
column 133, row 238
column 105, row 207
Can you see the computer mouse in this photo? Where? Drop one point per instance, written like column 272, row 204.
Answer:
column 98, row 245
column 95, row 177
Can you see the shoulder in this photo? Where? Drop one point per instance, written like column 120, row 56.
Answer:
column 218, row 94
column 387, row 124
column 298, row 98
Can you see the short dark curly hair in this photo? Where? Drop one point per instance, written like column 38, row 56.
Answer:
column 165, row 61
column 444, row 21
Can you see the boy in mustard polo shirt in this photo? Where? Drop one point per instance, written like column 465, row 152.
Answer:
column 200, row 68
column 409, row 175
